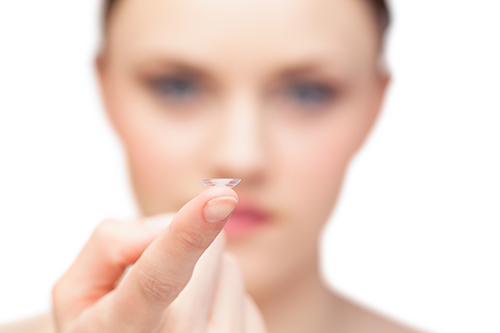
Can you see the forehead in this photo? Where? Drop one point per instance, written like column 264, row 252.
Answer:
column 252, row 31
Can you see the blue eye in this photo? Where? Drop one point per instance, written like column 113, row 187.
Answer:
column 311, row 94
column 176, row 88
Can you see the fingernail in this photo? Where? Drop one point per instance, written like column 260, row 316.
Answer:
column 159, row 222
column 219, row 208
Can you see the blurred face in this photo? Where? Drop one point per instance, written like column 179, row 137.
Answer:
column 278, row 93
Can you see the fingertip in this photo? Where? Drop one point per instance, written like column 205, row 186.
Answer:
column 218, row 209
column 219, row 191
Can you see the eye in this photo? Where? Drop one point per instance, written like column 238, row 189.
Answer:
column 310, row 94
column 176, row 89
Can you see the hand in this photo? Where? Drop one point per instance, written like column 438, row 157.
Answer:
column 150, row 298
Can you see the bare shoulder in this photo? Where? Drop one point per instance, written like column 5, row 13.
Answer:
column 359, row 319
column 37, row 324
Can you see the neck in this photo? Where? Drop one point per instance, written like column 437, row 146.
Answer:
column 301, row 304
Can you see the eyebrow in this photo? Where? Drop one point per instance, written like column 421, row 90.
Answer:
column 310, row 68
column 299, row 70
column 174, row 65
column 197, row 69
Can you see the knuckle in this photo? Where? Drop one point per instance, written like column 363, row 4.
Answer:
column 61, row 288
column 105, row 230
column 55, row 292
column 156, row 288
column 108, row 238
column 60, row 296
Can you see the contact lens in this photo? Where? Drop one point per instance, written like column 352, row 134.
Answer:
column 227, row 182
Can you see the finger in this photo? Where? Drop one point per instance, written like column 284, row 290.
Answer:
column 254, row 321
column 156, row 222
column 111, row 248
column 189, row 311
column 227, row 313
column 167, row 264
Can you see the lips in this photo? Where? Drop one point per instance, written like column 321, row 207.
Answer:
column 245, row 221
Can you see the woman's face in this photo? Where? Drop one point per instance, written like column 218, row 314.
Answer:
column 278, row 93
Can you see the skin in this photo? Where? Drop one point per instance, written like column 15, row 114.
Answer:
column 243, row 123
column 281, row 94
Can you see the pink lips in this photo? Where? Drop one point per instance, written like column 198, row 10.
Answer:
column 245, row 220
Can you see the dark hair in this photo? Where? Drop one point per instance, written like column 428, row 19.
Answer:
column 380, row 9
column 382, row 14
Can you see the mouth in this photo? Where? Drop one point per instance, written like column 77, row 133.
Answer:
column 245, row 221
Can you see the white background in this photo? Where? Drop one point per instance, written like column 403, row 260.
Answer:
column 416, row 233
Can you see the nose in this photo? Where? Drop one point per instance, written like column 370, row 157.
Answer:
column 240, row 150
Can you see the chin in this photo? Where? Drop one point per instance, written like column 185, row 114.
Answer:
column 263, row 265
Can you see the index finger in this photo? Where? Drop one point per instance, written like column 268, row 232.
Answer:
column 166, row 266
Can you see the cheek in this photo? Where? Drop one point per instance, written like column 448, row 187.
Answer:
column 151, row 172
column 314, row 162
column 162, row 153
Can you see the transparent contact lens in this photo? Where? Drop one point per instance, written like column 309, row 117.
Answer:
column 227, row 182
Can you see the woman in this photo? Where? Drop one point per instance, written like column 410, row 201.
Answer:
column 280, row 94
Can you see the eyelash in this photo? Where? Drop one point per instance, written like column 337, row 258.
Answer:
column 176, row 89
column 307, row 95
column 310, row 94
